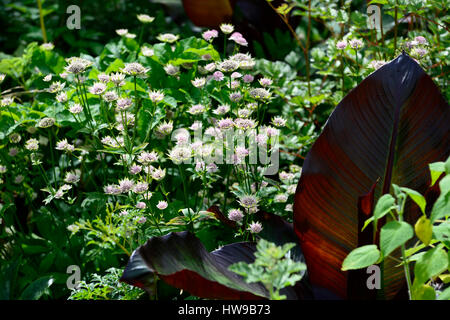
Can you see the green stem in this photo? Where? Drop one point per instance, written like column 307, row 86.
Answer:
column 41, row 20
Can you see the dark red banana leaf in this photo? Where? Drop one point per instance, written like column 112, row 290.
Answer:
column 181, row 260
column 390, row 127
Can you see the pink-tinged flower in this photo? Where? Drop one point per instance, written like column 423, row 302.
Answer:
column 356, row 44
column 140, row 187
column 111, row 189
column 255, row 227
column 97, row 88
column 196, row 109
column 211, row 168
column 265, row 82
column 65, row 146
column 235, row 215
column 279, row 122
column 197, row 125
column 241, row 152
column 135, row 169
column 162, row 205
column 235, row 96
column 110, row 96
column 341, row 45
column 198, row 82
column 218, row 76
column 75, row 108
column 156, row 96
column 210, row 34
column 248, row 78
column 421, row 40
column 225, row 124
column 141, row 205
column 158, row 174
column 377, row 64
column 124, row 104
column 222, row 109
column 289, row 207
column 32, row 144
column 147, row 157
column 142, row 220
column 103, row 78
column 210, row 67
column 280, row 198
column 248, row 201
column 61, row 97
column 125, row 185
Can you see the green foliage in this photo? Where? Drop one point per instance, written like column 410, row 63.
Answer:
column 430, row 255
column 273, row 267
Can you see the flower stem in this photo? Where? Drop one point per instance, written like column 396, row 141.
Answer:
column 41, row 20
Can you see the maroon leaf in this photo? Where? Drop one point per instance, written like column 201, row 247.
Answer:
column 390, row 127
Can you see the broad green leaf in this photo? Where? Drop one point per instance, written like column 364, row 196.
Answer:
column 361, row 257
column 416, row 197
column 436, row 169
column 384, row 205
column 445, row 295
column 424, row 292
column 393, row 234
column 441, row 207
column 424, row 229
column 37, row 288
column 431, row 264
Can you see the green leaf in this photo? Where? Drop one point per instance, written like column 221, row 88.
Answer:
column 384, row 205
column 37, row 288
column 445, row 295
column 361, row 257
column 393, row 235
column 442, row 205
column 424, row 229
column 431, row 264
column 436, row 169
column 424, row 292
column 416, row 197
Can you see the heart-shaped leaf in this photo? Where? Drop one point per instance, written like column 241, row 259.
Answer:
column 391, row 126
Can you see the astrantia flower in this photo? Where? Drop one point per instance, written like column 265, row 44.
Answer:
column 130, row 35
column 134, row 69
column 145, row 18
column 197, row 109
column 32, row 144
column 147, row 157
column 235, row 215
column 13, row 152
column 255, row 227
column 19, row 179
column 244, row 124
column 64, row 145
column 122, row 32
column 111, row 189
column 225, row 124
column 265, row 82
column 2, row 77
column 167, row 37
column 239, row 39
column 198, row 82
column 72, row 176
column 210, row 67
column 197, row 125
column 248, row 201
column 61, row 97
column 117, row 78
column 15, row 138
column 47, row 78
column 356, row 44
column 222, row 109
column 97, row 88
column 280, row 198
column 286, row 177
column 228, row 66
column 110, row 96
column 341, row 45
column 279, row 121
column 289, row 207
column 248, row 78
column 241, row 152
column 236, row 96
column 141, row 205
column 6, row 101
column 218, row 76
column 124, row 104
column 142, row 220
column 46, row 122
column 244, row 113
column 125, row 185
column 103, row 78
column 77, row 65
column 291, row 189
column 259, row 93
column 158, row 174
column 210, row 34
column 47, row 46
column 226, row 28
column 165, row 128
column 418, row 52
column 421, row 40
column 376, row 64
column 135, row 169
column 180, row 154
column 156, row 96
column 147, row 52
column 162, row 205
column 140, row 187
column 171, row 70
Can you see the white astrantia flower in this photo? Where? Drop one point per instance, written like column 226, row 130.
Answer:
column 167, row 37
column 255, row 227
column 156, row 96
column 226, row 28
column 180, row 154
column 134, row 69
column 145, row 18
column 147, row 52
column 77, row 65
column 122, row 32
